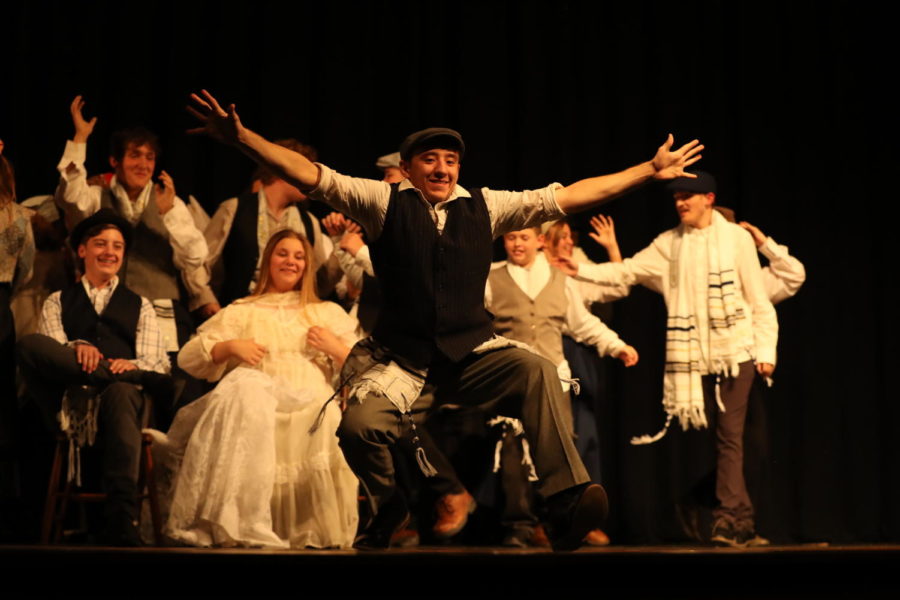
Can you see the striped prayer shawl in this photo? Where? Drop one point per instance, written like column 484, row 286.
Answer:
column 682, row 384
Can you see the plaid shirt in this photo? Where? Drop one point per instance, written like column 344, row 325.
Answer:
column 150, row 350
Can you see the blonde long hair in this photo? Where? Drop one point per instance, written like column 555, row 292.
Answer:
column 307, row 282
column 553, row 234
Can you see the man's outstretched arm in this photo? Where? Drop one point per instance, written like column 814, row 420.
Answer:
column 226, row 127
column 666, row 164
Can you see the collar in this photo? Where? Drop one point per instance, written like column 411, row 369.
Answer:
column 90, row 289
column 119, row 190
column 264, row 201
column 539, row 265
column 458, row 192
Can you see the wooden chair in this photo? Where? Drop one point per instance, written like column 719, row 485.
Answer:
column 60, row 491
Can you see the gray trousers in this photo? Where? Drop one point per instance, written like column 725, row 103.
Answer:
column 731, row 491
column 509, row 381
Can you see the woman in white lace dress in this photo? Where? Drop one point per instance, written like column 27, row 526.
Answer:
column 252, row 474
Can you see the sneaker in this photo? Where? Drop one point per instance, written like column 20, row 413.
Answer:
column 754, row 540
column 724, row 534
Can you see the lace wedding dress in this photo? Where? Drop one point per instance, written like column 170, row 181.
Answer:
column 251, row 474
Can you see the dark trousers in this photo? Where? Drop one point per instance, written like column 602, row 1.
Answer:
column 731, row 491
column 510, row 381
column 48, row 368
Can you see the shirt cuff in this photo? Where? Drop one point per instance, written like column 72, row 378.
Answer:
column 74, row 153
column 766, row 355
column 551, row 207
column 769, row 249
column 614, row 349
column 325, row 178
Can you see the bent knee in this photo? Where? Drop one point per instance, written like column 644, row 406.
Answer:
column 374, row 418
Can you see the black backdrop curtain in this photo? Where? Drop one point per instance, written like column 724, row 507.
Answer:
column 787, row 98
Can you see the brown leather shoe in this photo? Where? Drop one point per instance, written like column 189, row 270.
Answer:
column 453, row 511
column 596, row 537
column 539, row 538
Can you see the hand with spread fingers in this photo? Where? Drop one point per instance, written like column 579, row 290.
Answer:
column 224, row 126
column 669, row 164
column 83, row 128
column 605, row 234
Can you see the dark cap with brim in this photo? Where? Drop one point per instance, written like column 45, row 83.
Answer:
column 704, row 183
column 101, row 217
column 429, row 139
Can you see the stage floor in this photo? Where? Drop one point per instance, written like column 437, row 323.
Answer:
column 790, row 571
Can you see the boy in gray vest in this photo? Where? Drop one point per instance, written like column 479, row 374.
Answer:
column 167, row 243
column 433, row 343
column 536, row 304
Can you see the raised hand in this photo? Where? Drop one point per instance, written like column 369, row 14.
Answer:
column 758, row 236
column 83, row 128
column 224, row 126
column 629, row 356
column 669, row 164
column 351, row 242
column 165, row 193
column 335, row 223
column 605, row 234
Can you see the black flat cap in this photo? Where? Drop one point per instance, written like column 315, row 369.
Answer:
column 704, row 183
column 101, row 217
column 428, row 139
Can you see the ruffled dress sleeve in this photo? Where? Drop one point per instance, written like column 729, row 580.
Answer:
column 196, row 356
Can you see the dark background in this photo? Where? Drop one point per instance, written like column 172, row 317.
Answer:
column 789, row 99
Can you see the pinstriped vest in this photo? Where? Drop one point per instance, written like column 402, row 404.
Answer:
column 433, row 285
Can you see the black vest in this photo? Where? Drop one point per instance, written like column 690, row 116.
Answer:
column 433, row 285
column 114, row 331
column 241, row 251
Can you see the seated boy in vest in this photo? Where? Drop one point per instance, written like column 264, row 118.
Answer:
column 167, row 244
column 99, row 337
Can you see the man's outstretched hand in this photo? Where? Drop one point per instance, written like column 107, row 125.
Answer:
column 669, row 164
column 224, row 126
